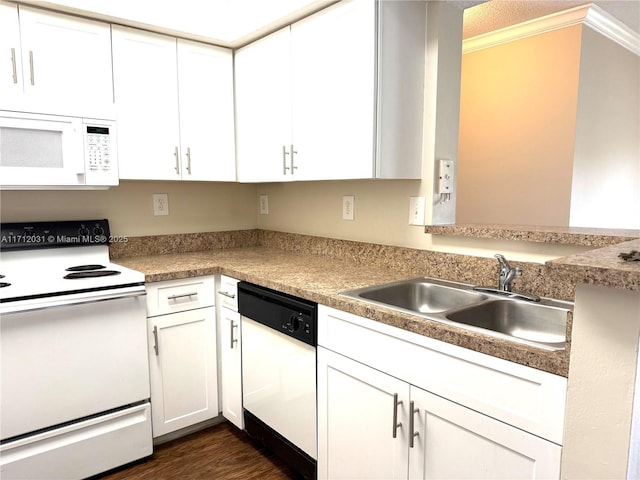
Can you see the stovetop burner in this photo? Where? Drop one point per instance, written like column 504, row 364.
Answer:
column 91, row 274
column 83, row 268
column 4, row 284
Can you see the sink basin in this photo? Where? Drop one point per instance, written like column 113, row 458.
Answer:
column 531, row 322
column 417, row 295
column 541, row 323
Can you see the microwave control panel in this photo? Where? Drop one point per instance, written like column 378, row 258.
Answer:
column 98, row 145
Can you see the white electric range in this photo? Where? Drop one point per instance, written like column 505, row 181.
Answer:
column 73, row 349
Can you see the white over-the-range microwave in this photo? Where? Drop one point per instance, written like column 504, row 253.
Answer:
column 58, row 152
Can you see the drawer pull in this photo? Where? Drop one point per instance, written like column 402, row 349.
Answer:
column 182, row 295
column 233, row 340
column 412, row 434
column 33, row 75
column 227, row 294
column 13, row 65
column 156, row 347
column 395, row 415
column 284, row 160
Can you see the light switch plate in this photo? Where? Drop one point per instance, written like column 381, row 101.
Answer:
column 416, row 210
column 348, row 207
column 160, row 204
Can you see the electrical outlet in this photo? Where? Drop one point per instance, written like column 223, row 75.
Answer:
column 445, row 177
column 348, row 207
column 160, row 204
column 416, row 210
column 264, row 204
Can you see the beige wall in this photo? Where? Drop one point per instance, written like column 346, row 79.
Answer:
column 606, row 166
column 193, row 207
column 602, row 371
column 517, row 126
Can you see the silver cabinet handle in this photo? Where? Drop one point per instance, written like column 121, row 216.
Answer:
column 182, row 295
column 233, row 340
column 412, row 434
column 293, row 152
column 156, row 347
column 13, row 65
column 177, row 167
column 33, row 75
column 396, row 425
column 189, row 160
column 284, row 160
column 227, row 294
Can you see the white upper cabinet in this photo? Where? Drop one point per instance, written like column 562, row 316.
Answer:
column 205, row 92
column 56, row 64
column 338, row 95
column 10, row 71
column 174, row 101
column 333, row 93
column 263, row 109
column 145, row 85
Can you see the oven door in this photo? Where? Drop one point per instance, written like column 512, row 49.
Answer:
column 279, row 383
column 67, row 360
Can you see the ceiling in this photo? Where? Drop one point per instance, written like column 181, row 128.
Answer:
column 234, row 23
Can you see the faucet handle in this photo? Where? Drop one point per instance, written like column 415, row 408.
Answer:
column 503, row 261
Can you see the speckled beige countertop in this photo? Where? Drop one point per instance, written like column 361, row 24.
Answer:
column 320, row 278
column 319, row 269
column 594, row 237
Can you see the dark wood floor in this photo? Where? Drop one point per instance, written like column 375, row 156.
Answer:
column 220, row 452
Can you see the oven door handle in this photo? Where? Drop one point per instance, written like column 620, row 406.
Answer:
column 9, row 310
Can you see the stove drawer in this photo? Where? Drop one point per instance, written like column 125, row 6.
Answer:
column 180, row 295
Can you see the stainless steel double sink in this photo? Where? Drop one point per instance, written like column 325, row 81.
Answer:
column 541, row 324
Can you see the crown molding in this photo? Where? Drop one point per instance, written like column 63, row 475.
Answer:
column 590, row 15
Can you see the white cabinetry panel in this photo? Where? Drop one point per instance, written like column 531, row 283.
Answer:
column 175, row 108
column 263, row 104
column 182, row 353
column 146, row 86
column 337, row 95
column 355, row 421
column 62, row 63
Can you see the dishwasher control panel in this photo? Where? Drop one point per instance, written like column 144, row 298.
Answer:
column 293, row 316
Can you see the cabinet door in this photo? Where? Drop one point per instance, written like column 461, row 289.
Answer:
column 11, row 66
column 333, row 92
column 205, row 81
column 146, row 95
column 231, row 359
column 182, row 364
column 356, row 421
column 67, row 60
column 454, row 442
column 263, row 109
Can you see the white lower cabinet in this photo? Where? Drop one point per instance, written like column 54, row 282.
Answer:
column 182, row 353
column 355, row 421
column 230, row 351
column 455, row 442
column 376, row 423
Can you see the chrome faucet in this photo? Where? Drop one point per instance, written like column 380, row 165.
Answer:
column 507, row 274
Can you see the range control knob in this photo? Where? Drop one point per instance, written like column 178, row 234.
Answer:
column 98, row 230
column 83, row 231
column 295, row 322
